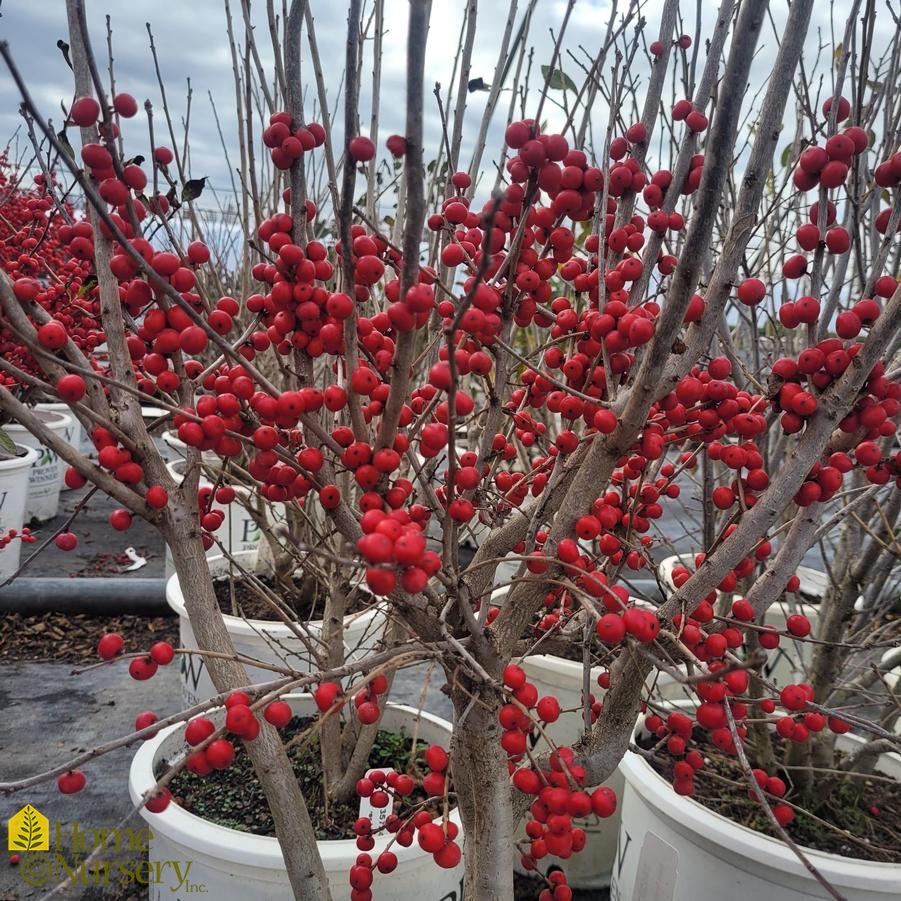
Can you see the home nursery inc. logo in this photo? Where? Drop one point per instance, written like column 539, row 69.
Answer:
column 70, row 852
column 29, row 830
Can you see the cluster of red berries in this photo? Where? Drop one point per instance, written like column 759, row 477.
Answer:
column 287, row 145
column 827, row 168
column 438, row 838
column 143, row 667
column 677, row 732
column 24, row 535
column 43, row 272
column 396, row 541
column 560, row 798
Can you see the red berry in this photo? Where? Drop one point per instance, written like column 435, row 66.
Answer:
column 220, row 754
column 325, row 695
column 159, row 800
column 120, row 520
column 125, row 105
column 157, row 497
column 110, row 645
column 66, row 541
column 162, row 653
column 397, row 146
column 798, row 625
column 142, row 668
column 52, row 335
column 278, row 714
column 145, row 719
column 437, row 758
column 71, row 388
column 240, row 720
column 386, row 862
column 71, row 782
column 85, row 112
column 514, row 676
column 361, row 148
column 431, row 837
column 198, row 730
column 751, row 291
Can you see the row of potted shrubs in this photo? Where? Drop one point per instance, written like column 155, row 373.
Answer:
column 658, row 845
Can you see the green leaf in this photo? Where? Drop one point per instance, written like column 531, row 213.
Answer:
column 786, row 155
column 8, row 448
column 558, row 80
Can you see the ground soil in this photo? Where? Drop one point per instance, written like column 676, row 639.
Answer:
column 860, row 818
column 72, row 637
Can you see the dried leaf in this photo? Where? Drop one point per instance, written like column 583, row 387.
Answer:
column 558, row 80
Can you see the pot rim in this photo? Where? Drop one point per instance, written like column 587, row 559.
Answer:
column 24, row 462
column 253, row 627
column 234, row 846
column 61, row 421
column 708, row 828
column 814, row 579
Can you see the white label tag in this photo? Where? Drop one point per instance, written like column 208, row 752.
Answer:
column 378, row 816
column 657, row 867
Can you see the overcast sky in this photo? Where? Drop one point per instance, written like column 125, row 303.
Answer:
column 191, row 41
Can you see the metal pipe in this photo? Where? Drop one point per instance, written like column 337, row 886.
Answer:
column 108, row 596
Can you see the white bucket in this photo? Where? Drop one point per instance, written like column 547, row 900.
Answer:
column 239, row 532
column 47, row 471
column 786, row 663
column 236, row 866
column 264, row 640
column 673, row 849
column 179, row 450
column 13, row 498
column 74, row 433
column 562, row 678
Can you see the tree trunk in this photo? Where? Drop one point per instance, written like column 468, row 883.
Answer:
column 482, row 784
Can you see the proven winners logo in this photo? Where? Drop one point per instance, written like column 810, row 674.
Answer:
column 60, row 852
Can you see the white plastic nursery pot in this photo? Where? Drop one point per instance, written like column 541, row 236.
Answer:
column 264, row 640
column 237, row 866
column 46, row 478
column 13, row 498
column 74, row 433
column 672, row 848
column 239, row 532
column 562, row 678
column 179, row 448
column 786, row 663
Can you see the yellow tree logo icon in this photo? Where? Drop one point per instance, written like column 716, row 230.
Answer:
column 29, row 830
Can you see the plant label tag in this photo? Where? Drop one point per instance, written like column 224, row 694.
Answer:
column 657, row 867
column 378, row 816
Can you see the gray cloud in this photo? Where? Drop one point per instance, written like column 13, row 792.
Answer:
column 191, row 42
